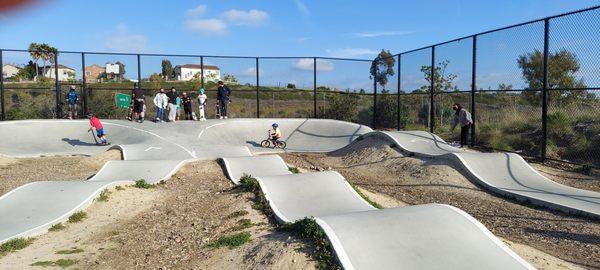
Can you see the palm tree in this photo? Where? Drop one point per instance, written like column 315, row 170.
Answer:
column 44, row 54
column 34, row 51
column 52, row 54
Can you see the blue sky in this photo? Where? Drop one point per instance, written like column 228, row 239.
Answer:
column 354, row 29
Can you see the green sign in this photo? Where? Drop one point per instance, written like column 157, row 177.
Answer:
column 122, row 100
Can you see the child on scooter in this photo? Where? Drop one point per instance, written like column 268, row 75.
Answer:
column 95, row 123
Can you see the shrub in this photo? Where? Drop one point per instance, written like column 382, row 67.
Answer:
column 143, row 184
column 232, row 241
column 249, row 184
column 77, row 217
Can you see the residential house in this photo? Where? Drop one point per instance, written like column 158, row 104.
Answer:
column 190, row 71
column 64, row 73
column 9, row 71
column 93, row 72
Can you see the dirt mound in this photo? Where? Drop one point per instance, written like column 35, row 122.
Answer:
column 98, row 160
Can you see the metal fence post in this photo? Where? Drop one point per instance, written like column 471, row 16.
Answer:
column 57, row 85
column 257, row 90
column 375, row 62
column 314, row 87
column 202, row 72
column 84, row 85
column 2, row 85
column 473, row 88
column 139, row 71
column 432, row 90
column 398, row 93
column 545, row 90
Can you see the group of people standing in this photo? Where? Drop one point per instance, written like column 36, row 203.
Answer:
column 171, row 103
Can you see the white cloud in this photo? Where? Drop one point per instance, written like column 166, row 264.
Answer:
column 252, row 17
column 352, row 52
column 197, row 11
column 302, row 8
column 308, row 64
column 301, row 39
column 380, row 34
column 249, row 72
column 122, row 40
column 207, row 27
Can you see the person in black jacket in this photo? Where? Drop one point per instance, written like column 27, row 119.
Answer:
column 187, row 106
column 223, row 93
column 172, row 96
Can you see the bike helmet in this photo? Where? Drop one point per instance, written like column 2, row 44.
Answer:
column 274, row 125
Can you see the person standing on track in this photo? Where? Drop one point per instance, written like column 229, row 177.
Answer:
column 223, row 93
column 172, row 96
column 95, row 124
column 187, row 106
column 138, row 103
column 160, row 100
column 202, row 104
column 462, row 117
column 72, row 99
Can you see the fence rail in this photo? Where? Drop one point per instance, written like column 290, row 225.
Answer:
column 532, row 88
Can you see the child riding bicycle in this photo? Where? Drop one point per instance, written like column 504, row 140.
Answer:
column 275, row 134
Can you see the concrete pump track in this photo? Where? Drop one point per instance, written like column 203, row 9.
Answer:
column 363, row 237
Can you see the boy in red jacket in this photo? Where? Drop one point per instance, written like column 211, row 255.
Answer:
column 95, row 123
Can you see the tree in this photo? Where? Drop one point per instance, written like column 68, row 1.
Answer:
column 167, row 69
column 291, row 86
column 382, row 67
column 28, row 72
column 155, row 77
column 342, row 106
column 43, row 51
column 562, row 66
column 34, row 51
column 442, row 83
column 121, row 70
column 230, row 79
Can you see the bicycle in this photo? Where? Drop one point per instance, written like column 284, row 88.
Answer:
column 276, row 143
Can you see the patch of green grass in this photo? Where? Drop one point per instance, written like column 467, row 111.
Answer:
column 366, row 198
column 231, row 241
column 293, row 169
column 237, row 214
column 70, row 251
column 119, row 188
column 308, row 228
column 242, row 224
column 15, row 244
column 143, row 184
column 56, row 227
column 249, row 184
column 103, row 197
column 60, row 263
column 77, row 217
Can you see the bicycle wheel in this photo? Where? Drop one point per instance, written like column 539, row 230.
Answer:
column 265, row 143
column 281, row 144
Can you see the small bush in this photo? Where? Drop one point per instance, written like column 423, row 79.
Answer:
column 60, row 263
column 56, row 227
column 249, row 184
column 585, row 169
column 308, row 228
column 70, row 251
column 237, row 214
column 143, row 184
column 242, row 224
column 232, row 241
column 15, row 244
column 366, row 198
column 293, row 170
column 119, row 188
column 103, row 197
column 77, row 217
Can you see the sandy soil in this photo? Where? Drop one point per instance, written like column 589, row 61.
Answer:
column 15, row 172
column 169, row 228
column 374, row 165
column 568, row 178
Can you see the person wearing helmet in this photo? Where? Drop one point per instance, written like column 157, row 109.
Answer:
column 202, row 101
column 275, row 134
column 72, row 98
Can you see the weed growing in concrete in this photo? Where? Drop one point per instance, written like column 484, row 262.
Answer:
column 231, row 241
column 237, row 214
column 56, row 227
column 103, row 197
column 308, row 228
column 14, row 245
column 143, row 184
column 77, row 217
column 293, row 169
column 366, row 198
column 70, row 251
column 249, row 183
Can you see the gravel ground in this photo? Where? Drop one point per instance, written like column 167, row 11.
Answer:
column 375, row 166
column 15, row 172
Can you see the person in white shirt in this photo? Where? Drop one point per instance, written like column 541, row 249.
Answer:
column 160, row 100
column 202, row 101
